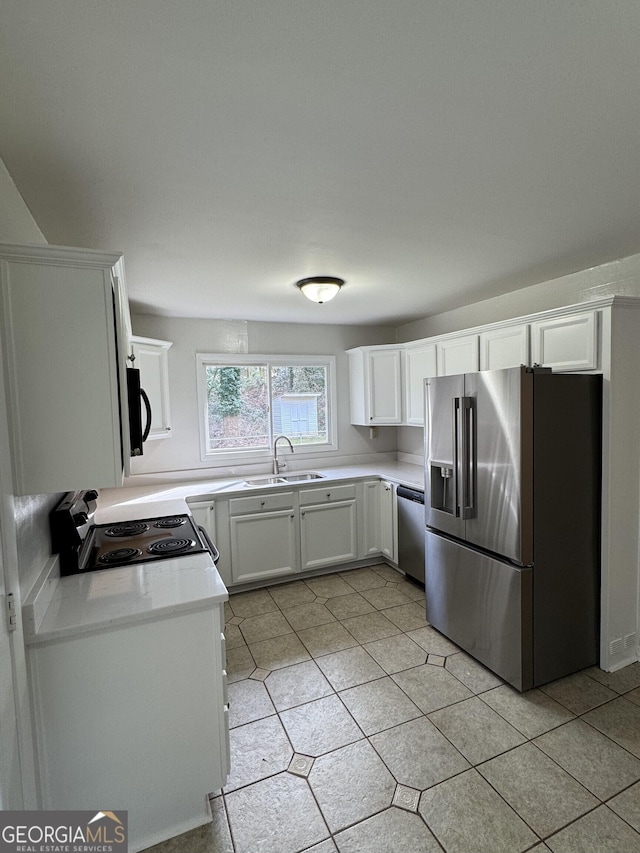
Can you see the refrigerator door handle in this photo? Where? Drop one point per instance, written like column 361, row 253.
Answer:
column 469, row 461
column 458, row 471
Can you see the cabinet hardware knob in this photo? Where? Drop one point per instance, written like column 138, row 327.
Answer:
column 261, row 503
column 328, row 494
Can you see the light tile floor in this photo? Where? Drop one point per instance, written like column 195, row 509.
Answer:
column 358, row 728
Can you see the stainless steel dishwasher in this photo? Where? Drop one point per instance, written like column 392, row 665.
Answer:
column 411, row 530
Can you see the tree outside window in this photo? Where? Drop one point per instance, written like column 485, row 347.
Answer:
column 249, row 403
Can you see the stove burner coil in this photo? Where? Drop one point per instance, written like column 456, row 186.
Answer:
column 119, row 555
column 170, row 522
column 127, row 528
column 170, row 546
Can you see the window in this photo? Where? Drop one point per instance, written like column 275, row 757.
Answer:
column 246, row 401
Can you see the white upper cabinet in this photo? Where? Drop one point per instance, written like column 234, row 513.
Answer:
column 61, row 313
column 566, row 343
column 419, row 363
column 151, row 357
column 458, row 355
column 389, row 390
column 504, row 347
column 376, row 385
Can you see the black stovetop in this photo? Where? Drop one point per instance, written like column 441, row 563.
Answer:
column 84, row 546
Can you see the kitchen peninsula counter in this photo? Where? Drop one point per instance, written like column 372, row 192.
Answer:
column 90, row 602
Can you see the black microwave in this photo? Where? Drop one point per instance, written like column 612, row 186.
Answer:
column 137, row 400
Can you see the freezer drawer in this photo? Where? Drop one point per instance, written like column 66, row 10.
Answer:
column 484, row 605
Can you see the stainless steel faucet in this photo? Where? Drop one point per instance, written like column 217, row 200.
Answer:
column 277, row 465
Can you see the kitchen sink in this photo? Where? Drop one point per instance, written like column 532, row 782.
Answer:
column 299, row 478
column 285, row 478
column 265, row 481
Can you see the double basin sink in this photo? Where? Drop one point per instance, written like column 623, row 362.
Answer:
column 278, row 479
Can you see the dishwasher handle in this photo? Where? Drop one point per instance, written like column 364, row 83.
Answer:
column 411, row 494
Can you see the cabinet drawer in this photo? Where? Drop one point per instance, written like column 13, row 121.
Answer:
column 327, row 493
column 261, row 503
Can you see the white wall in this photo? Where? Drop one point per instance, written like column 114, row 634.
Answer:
column 24, row 547
column 616, row 278
column 30, row 514
column 17, row 225
column 181, row 452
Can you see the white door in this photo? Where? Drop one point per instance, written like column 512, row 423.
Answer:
column 419, row 363
column 371, row 518
column 458, row 355
column 388, row 517
column 263, row 545
column 384, row 387
column 328, row 534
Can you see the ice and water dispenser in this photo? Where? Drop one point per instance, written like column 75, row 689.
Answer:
column 442, row 487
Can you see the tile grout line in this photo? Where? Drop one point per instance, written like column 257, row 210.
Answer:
column 401, row 632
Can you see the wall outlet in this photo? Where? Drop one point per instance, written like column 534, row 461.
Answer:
column 373, row 432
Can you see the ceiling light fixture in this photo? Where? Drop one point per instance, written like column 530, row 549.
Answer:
column 320, row 288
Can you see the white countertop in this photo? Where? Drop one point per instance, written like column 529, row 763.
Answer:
column 110, row 598
column 137, row 502
column 64, row 607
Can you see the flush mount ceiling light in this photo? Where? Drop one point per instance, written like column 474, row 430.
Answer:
column 320, row 288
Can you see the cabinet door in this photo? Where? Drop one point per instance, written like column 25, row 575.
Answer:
column 388, row 521
column 64, row 400
column 203, row 513
column 419, row 363
column 371, row 532
column 375, row 385
column 151, row 357
column 385, row 393
column 566, row 343
column 458, row 355
column 139, row 676
column 263, row 545
column 328, row 534
column 507, row 347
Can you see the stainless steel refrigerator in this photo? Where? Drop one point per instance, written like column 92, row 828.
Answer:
column 512, row 506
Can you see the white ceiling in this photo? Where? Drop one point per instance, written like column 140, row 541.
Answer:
column 431, row 152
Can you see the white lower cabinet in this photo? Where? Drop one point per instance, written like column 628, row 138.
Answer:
column 263, row 535
column 379, row 520
column 388, row 521
column 203, row 513
column 134, row 718
column 328, row 534
column 274, row 534
column 371, row 519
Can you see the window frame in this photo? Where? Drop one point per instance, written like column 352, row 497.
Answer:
column 248, row 456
